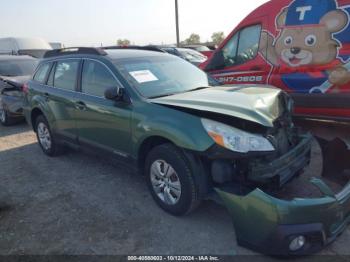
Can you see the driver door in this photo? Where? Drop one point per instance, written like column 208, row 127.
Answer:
column 102, row 124
column 239, row 61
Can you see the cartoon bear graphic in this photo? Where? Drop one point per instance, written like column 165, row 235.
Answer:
column 305, row 53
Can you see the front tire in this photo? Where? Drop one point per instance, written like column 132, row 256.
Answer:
column 46, row 141
column 171, row 180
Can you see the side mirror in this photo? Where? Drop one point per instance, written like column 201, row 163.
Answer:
column 114, row 93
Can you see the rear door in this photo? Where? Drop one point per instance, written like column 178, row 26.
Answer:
column 60, row 94
column 102, row 123
column 238, row 61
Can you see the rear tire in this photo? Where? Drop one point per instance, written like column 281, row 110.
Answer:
column 5, row 119
column 171, row 180
column 45, row 138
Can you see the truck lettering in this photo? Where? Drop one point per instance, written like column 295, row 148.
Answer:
column 302, row 10
column 230, row 79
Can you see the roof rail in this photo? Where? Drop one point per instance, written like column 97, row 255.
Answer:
column 74, row 51
column 146, row 48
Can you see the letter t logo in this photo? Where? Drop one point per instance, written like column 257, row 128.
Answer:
column 302, row 10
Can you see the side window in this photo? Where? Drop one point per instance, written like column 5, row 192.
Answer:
column 96, row 79
column 243, row 46
column 41, row 73
column 230, row 50
column 66, row 75
column 51, row 76
column 248, row 43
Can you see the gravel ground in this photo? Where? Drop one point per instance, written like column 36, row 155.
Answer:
column 78, row 204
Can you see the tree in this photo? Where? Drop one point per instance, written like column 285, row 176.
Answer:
column 193, row 39
column 218, row 37
column 123, row 42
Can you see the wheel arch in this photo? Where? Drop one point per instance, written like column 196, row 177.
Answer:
column 36, row 111
column 201, row 173
column 39, row 107
column 146, row 146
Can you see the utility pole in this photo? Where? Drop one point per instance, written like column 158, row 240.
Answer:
column 177, row 23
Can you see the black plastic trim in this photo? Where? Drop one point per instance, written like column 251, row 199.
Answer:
column 75, row 51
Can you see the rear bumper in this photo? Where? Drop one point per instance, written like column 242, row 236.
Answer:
column 267, row 224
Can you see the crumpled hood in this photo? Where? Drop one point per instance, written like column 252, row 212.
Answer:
column 259, row 104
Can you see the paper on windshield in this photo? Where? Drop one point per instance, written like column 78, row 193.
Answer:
column 143, row 76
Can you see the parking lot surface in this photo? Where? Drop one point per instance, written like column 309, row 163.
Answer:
column 82, row 204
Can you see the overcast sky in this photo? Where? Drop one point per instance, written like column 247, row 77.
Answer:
column 95, row 22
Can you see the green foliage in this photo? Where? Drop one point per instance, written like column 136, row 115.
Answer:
column 193, row 39
column 218, row 37
column 123, row 42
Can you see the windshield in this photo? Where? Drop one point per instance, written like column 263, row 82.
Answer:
column 162, row 76
column 17, row 67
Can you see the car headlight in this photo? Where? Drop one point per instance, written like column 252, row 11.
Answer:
column 235, row 139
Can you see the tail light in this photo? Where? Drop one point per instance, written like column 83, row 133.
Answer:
column 25, row 88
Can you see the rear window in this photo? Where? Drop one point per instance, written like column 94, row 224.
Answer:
column 17, row 67
column 41, row 73
column 202, row 48
column 192, row 55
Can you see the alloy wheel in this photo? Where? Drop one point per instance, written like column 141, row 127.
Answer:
column 165, row 182
column 44, row 136
column 2, row 115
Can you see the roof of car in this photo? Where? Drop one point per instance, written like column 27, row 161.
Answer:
column 16, row 57
column 112, row 54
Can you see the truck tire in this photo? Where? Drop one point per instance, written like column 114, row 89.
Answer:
column 171, row 180
column 45, row 138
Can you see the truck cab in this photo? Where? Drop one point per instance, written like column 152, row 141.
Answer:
column 303, row 48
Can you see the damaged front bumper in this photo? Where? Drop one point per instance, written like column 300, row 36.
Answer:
column 269, row 225
column 281, row 170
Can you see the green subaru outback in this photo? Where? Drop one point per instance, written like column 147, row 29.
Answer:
column 192, row 138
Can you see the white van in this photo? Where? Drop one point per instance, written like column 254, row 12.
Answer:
column 35, row 47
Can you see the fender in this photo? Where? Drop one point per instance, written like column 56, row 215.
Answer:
column 184, row 130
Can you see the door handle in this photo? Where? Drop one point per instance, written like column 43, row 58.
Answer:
column 80, row 105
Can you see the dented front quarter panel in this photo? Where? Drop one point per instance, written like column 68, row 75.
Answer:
column 267, row 224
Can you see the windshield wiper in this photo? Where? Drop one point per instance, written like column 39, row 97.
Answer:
column 198, row 88
column 153, row 97
column 191, row 90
